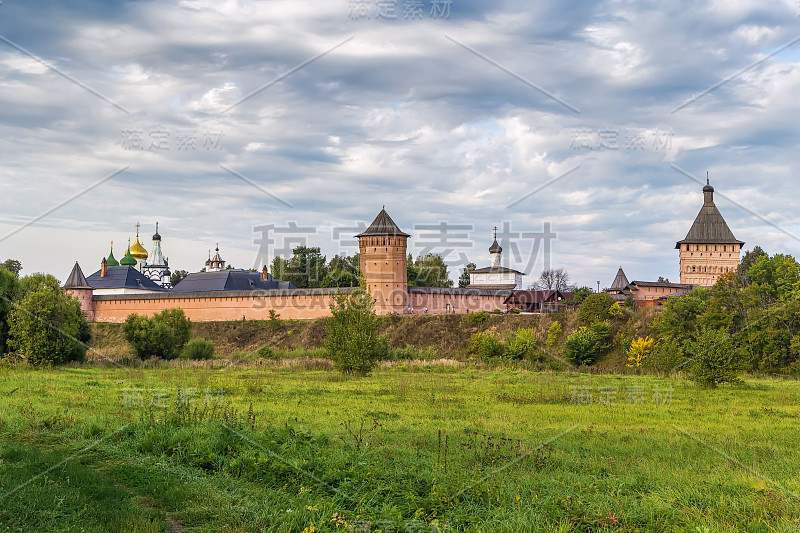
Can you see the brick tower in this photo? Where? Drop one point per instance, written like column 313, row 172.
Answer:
column 709, row 249
column 382, row 250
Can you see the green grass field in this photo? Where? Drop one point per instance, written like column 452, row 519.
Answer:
column 413, row 447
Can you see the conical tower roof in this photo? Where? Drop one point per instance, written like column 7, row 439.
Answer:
column 620, row 281
column 709, row 227
column 76, row 279
column 383, row 225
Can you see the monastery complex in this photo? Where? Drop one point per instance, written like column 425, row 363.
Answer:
column 140, row 282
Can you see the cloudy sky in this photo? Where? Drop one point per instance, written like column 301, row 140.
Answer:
column 214, row 118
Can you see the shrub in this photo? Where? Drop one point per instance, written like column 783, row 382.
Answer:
column 265, row 352
column 615, row 311
column 47, row 326
column 164, row 335
column 477, row 318
column 485, row 346
column 587, row 344
column 639, row 350
column 553, row 333
column 596, row 307
column 198, row 348
column 666, row 356
column 715, row 359
column 274, row 321
column 520, row 344
column 411, row 353
column 353, row 343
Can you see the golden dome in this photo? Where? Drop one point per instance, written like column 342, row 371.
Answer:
column 137, row 250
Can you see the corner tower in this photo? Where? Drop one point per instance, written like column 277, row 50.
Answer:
column 382, row 249
column 709, row 249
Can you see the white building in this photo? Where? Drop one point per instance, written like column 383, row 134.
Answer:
column 495, row 276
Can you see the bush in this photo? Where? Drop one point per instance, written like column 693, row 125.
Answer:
column 715, row 359
column 485, row 346
column 666, row 356
column 520, row 344
column 164, row 335
column 553, row 333
column 198, row 348
column 477, row 318
column 353, row 343
column 596, row 307
column 274, row 321
column 47, row 326
column 265, row 352
column 639, row 350
column 587, row 344
column 411, row 353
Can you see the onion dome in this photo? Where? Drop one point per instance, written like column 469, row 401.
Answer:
column 128, row 260
column 111, row 260
column 495, row 248
column 137, row 250
column 156, row 236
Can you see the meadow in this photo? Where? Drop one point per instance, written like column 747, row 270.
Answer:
column 293, row 446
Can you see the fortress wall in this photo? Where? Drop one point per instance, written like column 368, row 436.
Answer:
column 219, row 306
column 437, row 300
column 289, row 304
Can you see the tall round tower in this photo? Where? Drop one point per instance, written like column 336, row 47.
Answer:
column 382, row 250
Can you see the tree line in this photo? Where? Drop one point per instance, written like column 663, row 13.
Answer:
column 309, row 268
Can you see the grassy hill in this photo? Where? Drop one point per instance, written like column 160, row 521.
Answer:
column 438, row 336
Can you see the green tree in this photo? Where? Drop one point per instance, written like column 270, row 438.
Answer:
column 45, row 325
column 305, row 269
column 278, row 268
column 580, row 294
column 776, row 278
column 749, row 258
column 714, row 359
column 596, row 307
column 679, row 316
column 463, row 279
column 662, row 279
column 177, row 276
column 428, row 270
column 353, row 343
column 9, row 288
column 164, row 335
column 587, row 344
column 343, row 271
column 12, row 265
